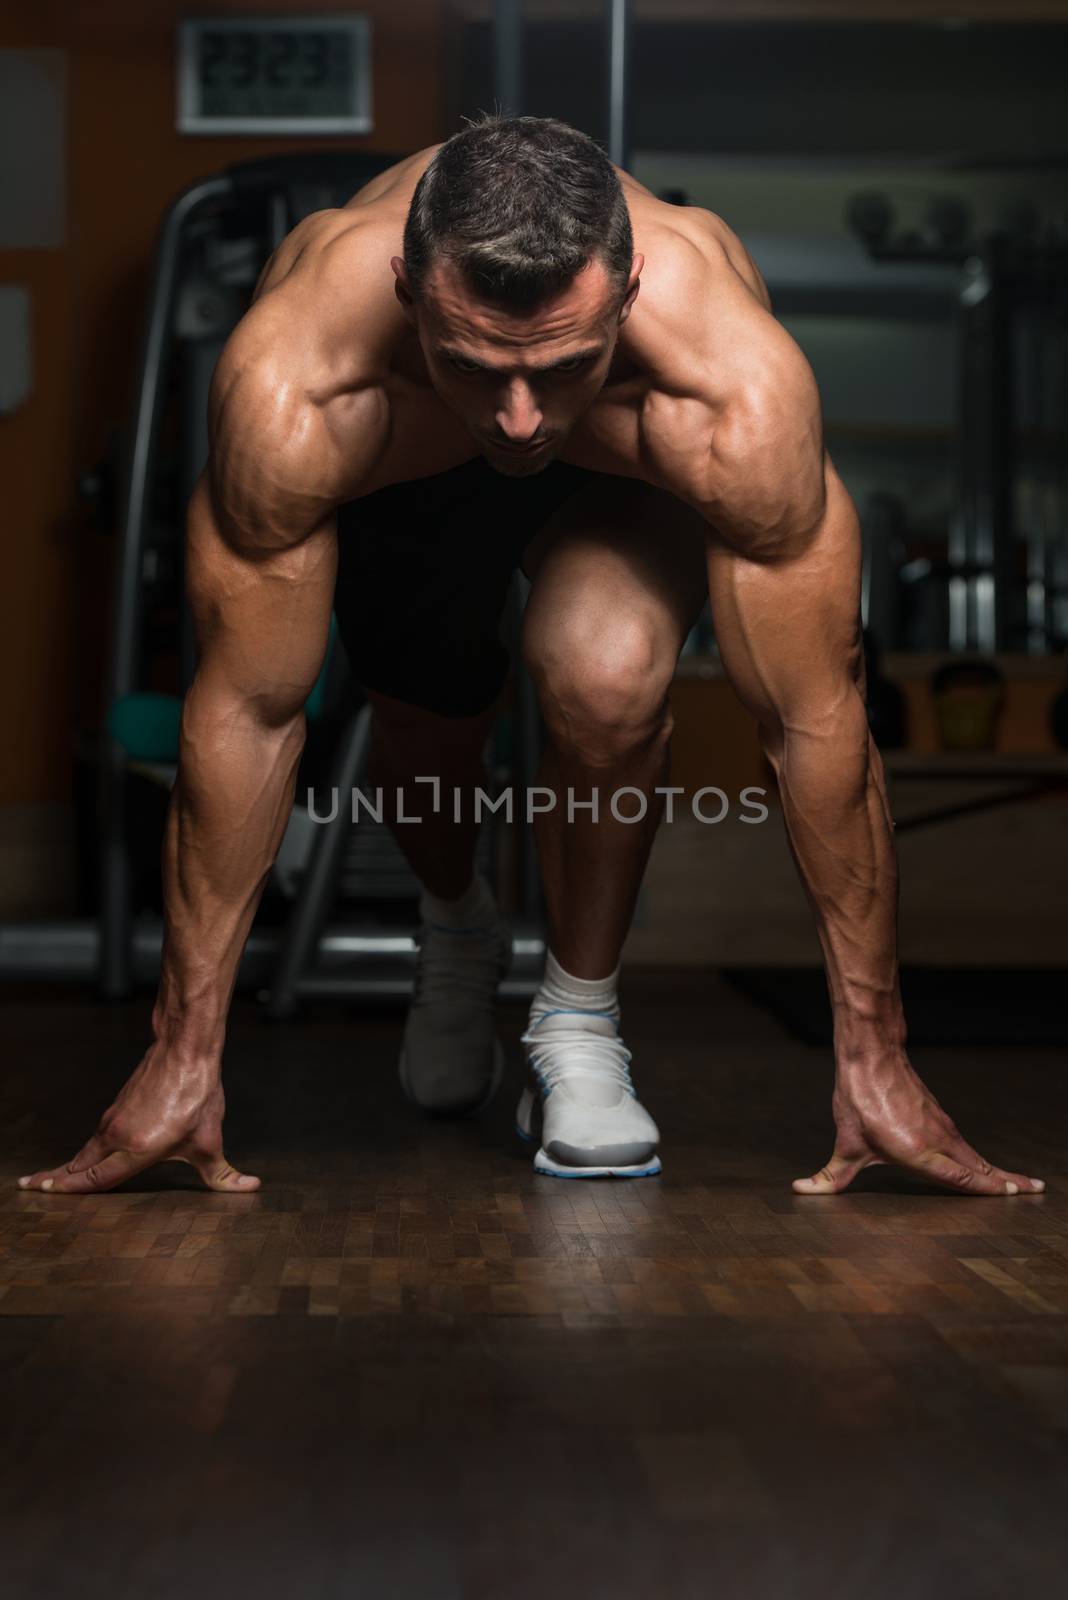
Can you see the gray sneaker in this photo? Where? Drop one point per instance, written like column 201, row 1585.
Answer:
column 451, row 1061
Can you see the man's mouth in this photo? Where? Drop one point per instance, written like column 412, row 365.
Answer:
column 518, row 449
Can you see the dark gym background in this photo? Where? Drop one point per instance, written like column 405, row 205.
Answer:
column 408, row 1366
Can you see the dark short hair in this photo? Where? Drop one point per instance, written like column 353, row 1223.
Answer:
column 521, row 205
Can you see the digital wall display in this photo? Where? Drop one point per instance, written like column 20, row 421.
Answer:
column 308, row 74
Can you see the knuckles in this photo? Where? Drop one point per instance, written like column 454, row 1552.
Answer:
column 134, row 1140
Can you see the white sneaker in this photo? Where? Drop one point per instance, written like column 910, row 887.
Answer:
column 592, row 1122
column 451, row 1060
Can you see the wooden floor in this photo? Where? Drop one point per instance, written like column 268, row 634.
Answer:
column 410, row 1368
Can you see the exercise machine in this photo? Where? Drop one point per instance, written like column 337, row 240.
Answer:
column 213, row 243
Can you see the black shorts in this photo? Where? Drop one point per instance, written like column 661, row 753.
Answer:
column 424, row 569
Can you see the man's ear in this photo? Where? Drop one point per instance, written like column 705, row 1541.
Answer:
column 633, row 284
column 403, row 287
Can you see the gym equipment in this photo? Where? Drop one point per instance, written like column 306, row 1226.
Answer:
column 871, row 216
column 213, row 243
column 1006, row 572
column 212, row 248
column 146, row 726
column 968, row 696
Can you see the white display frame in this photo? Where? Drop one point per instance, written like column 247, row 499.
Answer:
column 190, row 119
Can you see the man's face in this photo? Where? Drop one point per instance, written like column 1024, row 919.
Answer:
column 519, row 381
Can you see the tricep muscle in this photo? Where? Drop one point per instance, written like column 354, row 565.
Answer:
column 262, row 618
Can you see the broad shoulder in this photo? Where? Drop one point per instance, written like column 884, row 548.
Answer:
column 292, row 432
column 766, row 484
column 298, row 410
column 350, row 244
column 331, row 276
column 722, row 366
column 690, row 254
column 766, row 467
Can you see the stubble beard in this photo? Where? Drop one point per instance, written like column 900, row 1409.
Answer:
column 521, row 466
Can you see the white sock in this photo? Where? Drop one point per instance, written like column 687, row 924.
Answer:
column 560, row 991
column 475, row 909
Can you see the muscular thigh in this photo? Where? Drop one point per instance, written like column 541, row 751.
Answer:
column 619, row 570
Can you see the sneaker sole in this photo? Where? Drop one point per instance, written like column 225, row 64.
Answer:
column 549, row 1167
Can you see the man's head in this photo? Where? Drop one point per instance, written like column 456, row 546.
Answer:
column 518, row 271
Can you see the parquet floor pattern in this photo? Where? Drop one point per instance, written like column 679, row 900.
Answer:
column 411, row 1367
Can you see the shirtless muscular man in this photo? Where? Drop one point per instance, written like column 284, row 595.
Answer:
column 452, row 375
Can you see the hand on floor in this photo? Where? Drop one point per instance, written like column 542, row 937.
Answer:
column 163, row 1113
column 887, row 1115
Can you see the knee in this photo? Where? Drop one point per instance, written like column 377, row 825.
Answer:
column 603, row 691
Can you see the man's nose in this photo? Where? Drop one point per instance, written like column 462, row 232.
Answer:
column 518, row 412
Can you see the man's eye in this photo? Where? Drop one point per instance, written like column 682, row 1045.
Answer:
column 570, row 366
column 460, row 365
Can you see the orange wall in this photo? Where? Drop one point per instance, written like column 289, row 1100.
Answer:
column 125, row 162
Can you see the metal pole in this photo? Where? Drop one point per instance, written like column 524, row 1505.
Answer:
column 618, row 70
column 116, row 946
column 319, row 885
column 148, row 412
column 508, row 56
